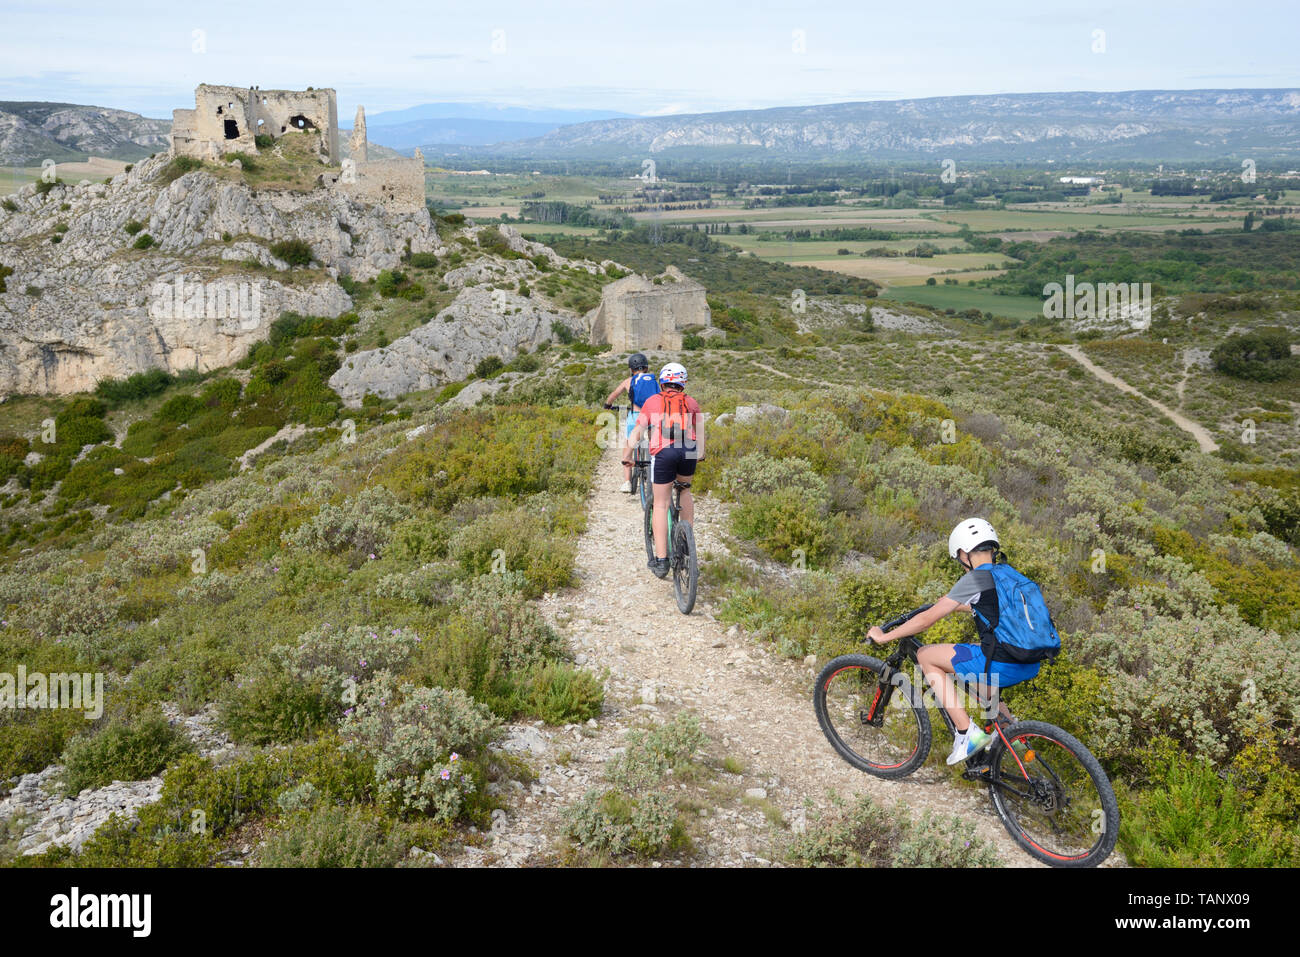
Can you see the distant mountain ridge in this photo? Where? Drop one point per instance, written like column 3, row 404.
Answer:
column 472, row 124
column 1134, row 125
column 31, row 132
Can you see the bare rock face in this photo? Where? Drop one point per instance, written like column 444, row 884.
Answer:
column 480, row 322
column 94, row 306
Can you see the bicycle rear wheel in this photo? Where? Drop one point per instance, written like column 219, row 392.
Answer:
column 1052, row 795
column 889, row 741
column 686, row 571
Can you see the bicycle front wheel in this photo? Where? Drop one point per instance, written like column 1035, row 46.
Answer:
column 647, row 496
column 1052, row 795
column 879, row 729
column 686, row 571
column 648, row 513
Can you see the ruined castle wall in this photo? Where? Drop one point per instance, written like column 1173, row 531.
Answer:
column 636, row 316
column 223, row 120
column 397, row 184
column 280, row 111
column 185, row 137
column 227, row 118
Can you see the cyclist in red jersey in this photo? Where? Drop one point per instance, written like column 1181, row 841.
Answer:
column 676, row 447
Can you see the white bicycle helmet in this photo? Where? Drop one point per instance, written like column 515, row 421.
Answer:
column 968, row 534
column 673, row 373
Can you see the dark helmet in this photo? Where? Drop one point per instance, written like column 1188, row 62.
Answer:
column 637, row 361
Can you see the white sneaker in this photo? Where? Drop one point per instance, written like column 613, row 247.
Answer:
column 625, row 487
column 972, row 742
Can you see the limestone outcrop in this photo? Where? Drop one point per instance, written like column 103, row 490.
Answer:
column 204, row 288
column 480, row 322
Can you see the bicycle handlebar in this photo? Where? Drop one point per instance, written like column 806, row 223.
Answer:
column 891, row 625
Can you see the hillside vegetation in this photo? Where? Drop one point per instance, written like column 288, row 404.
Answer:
column 354, row 607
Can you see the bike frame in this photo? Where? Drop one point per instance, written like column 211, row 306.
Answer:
column 906, row 651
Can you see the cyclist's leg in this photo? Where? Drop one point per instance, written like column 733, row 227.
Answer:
column 936, row 665
column 663, row 472
column 662, row 494
column 685, row 473
column 627, row 445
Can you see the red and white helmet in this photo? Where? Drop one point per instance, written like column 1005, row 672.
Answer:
column 673, row 374
column 968, row 534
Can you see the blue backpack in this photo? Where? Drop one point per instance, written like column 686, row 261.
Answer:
column 643, row 385
column 1024, row 630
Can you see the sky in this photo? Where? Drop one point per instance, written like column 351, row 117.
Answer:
column 647, row 57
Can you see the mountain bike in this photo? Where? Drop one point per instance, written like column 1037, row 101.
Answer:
column 681, row 549
column 1048, row 790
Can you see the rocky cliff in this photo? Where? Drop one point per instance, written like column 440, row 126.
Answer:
column 114, row 278
column 32, row 132
column 1138, row 124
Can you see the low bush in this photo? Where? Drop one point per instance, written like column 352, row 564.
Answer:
column 424, row 743
column 612, row 823
column 295, row 252
column 123, row 751
column 334, row 837
column 865, row 834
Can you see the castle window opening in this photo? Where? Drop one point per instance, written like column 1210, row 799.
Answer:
column 232, row 130
column 301, row 122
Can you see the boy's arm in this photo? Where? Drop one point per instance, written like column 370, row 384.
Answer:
column 944, row 606
column 642, row 423
column 618, row 390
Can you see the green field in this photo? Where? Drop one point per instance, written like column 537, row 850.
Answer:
column 968, row 297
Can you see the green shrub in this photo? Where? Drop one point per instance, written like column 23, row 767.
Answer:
column 143, row 241
column 785, row 524
column 140, row 385
column 556, row 692
column 295, row 252
column 178, row 167
column 488, row 367
column 865, row 834
column 423, row 260
column 760, row 474
column 516, row 540
column 334, row 837
column 362, row 523
column 1191, row 815
column 612, row 823
column 424, row 743
column 180, row 408
column 651, row 755
column 123, row 752
column 1260, row 356
column 133, row 227
column 271, row 706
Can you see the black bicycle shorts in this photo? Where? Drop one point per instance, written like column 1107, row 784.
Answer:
column 670, row 462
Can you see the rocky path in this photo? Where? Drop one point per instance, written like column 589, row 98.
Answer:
column 1197, row 431
column 755, row 704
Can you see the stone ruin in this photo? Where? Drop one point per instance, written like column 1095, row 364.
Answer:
column 637, row 314
column 228, row 119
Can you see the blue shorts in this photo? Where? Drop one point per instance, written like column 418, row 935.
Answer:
column 968, row 660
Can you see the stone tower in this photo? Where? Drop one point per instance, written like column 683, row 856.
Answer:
column 357, row 144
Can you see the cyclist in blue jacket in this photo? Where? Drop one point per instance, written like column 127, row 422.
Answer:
column 639, row 386
column 974, row 544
